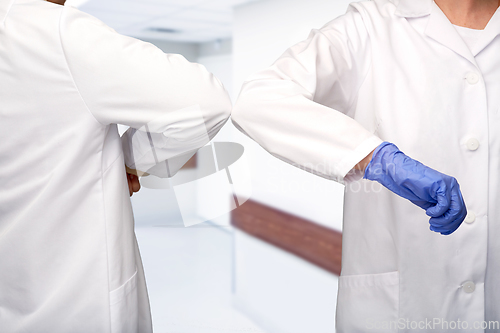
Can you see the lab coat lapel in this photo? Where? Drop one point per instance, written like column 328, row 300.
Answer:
column 491, row 32
column 4, row 9
column 441, row 30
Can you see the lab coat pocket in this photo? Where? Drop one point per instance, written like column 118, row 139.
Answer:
column 368, row 303
column 123, row 307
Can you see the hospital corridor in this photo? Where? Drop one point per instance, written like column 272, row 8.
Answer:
column 249, row 166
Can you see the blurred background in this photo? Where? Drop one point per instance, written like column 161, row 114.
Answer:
column 272, row 264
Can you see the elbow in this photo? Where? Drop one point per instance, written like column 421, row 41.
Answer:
column 226, row 107
column 246, row 105
column 206, row 91
column 236, row 117
column 216, row 111
column 240, row 109
column 222, row 106
column 247, row 108
column 239, row 116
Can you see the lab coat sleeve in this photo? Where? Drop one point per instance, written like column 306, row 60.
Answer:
column 299, row 109
column 173, row 106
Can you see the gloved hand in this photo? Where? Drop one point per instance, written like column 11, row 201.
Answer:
column 427, row 188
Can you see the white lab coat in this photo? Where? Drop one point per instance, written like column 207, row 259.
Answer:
column 396, row 71
column 69, row 261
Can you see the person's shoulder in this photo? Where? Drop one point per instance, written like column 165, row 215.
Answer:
column 74, row 20
column 74, row 17
column 36, row 5
column 364, row 14
column 382, row 8
column 374, row 8
column 36, row 12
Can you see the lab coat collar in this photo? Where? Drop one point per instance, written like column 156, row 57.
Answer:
column 413, row 8
column 4, row 9
column 491, row 32
column 441, row 30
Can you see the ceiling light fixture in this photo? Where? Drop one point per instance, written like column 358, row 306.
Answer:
column 165, row 30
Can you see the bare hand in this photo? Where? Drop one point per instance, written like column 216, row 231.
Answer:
column 133, row 183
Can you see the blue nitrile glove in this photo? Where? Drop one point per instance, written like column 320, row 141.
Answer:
column 427, row 188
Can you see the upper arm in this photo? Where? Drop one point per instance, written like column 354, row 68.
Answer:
column 127, row 81
column 299, row 108
column 175, row 105
column 329, row 66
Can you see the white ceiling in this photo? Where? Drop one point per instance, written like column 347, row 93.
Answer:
column 194, row 21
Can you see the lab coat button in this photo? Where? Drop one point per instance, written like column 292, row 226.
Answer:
column 469, row 287
column 472, row 78
column 470, row 218
column 472, row 144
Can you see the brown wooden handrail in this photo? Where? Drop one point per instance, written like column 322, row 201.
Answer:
column 310, row 241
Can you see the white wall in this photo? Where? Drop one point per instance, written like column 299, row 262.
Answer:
column 262, row 32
